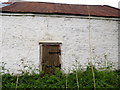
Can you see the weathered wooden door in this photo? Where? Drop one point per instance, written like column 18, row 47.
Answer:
column 50, row 58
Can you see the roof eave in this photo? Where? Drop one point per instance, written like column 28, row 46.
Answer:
column 61, row 14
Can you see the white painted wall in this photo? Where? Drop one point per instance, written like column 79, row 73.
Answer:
column 21, row 36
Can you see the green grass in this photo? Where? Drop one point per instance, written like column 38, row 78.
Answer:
column 104, row 79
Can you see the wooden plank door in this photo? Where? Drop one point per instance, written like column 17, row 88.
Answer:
column 50, row 58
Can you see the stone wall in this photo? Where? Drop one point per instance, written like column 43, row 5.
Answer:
column 21, row 35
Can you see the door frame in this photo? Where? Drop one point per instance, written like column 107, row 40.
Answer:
column 48, row 43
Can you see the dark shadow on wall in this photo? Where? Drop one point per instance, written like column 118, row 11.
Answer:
column 119, row 37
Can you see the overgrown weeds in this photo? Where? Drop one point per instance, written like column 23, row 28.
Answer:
column 104, row 79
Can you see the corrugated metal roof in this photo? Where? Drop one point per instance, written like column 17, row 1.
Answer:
column 56, row 8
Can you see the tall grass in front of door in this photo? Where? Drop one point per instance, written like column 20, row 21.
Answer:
column 105, row 78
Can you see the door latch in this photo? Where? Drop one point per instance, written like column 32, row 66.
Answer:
column 55, row 52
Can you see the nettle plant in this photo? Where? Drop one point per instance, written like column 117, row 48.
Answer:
column 30, row 68
column 24, row 68
column 103, row 77
column 27, row 67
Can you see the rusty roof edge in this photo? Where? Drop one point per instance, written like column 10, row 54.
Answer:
column 111, row 7
column 66, row 4
column 61, row 4
column 67, row 12
column 57, row 3
column 60, row 16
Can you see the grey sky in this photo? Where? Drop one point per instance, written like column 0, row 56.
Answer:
column 113, row 3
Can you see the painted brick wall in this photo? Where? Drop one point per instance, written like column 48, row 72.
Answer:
column 21, row 36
